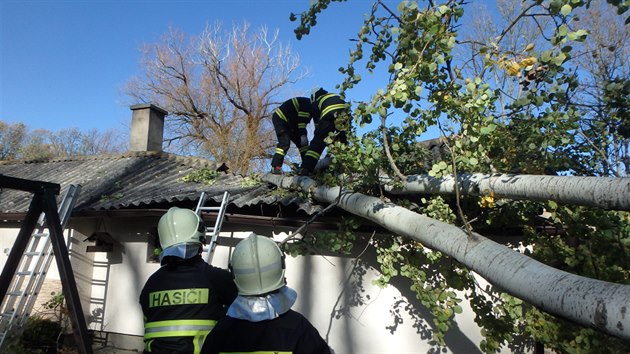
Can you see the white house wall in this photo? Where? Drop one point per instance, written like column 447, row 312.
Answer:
column 351, row 313
column 356, row 316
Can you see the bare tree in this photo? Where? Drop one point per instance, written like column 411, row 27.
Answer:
column 219, row 89
column 603, row 61
column 11, row 139
column 73, row 142
column 18, row 142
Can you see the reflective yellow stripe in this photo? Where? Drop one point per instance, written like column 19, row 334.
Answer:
column 313, row 154
column 304, row 114
column 198, row 343
column 147, row 345
column 324, row 98
column 333, row 107
column 303, row 148
column 177, row 328
column 279, row 151
column 296, row 105
column 258, row 352
column 302, row 125
column 198, row 329
column 280, row 114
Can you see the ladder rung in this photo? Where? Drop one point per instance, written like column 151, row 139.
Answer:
column 15, row 293
column 210, row 208
column 41, row 254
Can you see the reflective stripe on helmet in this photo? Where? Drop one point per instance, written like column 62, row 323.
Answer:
column 246, row 271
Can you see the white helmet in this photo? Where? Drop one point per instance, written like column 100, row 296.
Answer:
column 257, row 265
column 316, row 92
column 180, row 227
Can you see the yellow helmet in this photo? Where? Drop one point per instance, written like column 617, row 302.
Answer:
column 257, row 265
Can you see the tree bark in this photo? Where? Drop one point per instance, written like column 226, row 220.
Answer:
column 602, row 192
column 589, row 302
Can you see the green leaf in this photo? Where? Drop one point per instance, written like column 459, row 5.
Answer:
column 559, row 59
column 562, row 30
column 488, row 129
column 566, row 10
column 443, row 9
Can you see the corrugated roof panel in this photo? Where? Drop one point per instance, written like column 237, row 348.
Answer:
column 137, row 179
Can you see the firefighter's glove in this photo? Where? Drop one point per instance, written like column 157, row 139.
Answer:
column 303, row 140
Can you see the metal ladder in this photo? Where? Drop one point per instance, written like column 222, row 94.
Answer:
column 31, row 272
column 213, row 232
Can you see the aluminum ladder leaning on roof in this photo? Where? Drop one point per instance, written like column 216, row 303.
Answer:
column 31, row 272
column 213, row 232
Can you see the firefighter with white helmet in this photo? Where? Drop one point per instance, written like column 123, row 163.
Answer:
column 261, row 319
column 185, row 297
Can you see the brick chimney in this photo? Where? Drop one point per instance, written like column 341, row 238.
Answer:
column 147, row 127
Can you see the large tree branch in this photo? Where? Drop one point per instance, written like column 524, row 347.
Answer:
column 602, row 192
column 589, row 302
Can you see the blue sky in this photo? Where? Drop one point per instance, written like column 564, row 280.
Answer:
column 63, row 63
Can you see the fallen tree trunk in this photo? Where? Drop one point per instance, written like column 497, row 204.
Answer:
column 603, row 192
column 589, row 302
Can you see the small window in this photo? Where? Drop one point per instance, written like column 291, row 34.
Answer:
column 153, row 247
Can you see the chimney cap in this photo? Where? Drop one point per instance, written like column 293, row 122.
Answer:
column 148, row 105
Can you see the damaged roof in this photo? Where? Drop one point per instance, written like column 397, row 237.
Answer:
column 139, row 180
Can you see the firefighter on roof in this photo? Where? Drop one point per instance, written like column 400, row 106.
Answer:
column 331, row 115
column 290, row 121
column 260, row 320
column 185, row 297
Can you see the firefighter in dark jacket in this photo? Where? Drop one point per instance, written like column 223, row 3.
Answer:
column 260, row 320
column 290, row 121
column 183, row 300
column 330, row 114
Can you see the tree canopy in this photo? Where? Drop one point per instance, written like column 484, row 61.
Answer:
column 535, row 91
